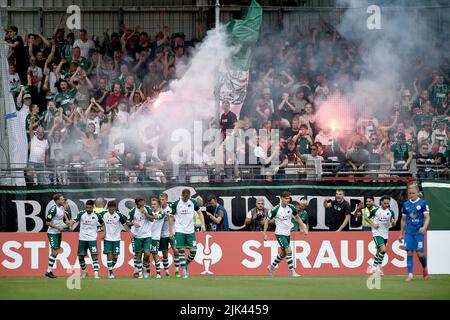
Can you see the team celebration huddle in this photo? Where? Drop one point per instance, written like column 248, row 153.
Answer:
column 163, row 225
column 151, row 228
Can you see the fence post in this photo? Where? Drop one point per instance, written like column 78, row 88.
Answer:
column 41, row 20
column 4, row 141
column 281, row 12
column 121, row 18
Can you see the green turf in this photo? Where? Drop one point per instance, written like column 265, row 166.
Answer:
column 228, row 287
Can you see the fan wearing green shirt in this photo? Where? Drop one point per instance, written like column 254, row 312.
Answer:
column 301, row 209
column 76, row 56
column 65, row 96
column 401, row 153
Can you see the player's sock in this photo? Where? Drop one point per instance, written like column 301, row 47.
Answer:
column 136, row 262
column 290, row 262
column 110, row 266
column 158, row 266
column 51, row 262
column 166, row 264
column 95, row 263
column 380, row 258
column 376, row 259
column 182, row 259
column 176, row 262
column 191, row 256
column 409, row 263
column 114, row 261
column 83, row 265
column 277, row 260
column 147, row 265
column 138, row 266
column 423, row 261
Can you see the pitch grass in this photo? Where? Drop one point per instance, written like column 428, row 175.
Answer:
column 227, row 287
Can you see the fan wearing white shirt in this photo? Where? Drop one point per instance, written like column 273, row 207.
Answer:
column 84, row 44
column 39, row 148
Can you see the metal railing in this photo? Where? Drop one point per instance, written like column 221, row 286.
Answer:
column 96, row 19
column 103, row 173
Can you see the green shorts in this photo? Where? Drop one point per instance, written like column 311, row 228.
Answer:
column 185, row 240
column 283, row 241
column 111, row 247
column 83, row 247
column 142, row 244
column 155, row 246
column 55, row 240
column 380, row 241
column 164, row 243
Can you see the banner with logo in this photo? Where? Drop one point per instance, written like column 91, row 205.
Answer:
column 218, row 253
column 24, row 209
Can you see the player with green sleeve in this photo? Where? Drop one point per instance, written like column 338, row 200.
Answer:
column 165, row 239
column 380, row 219
column 282, row 214
column 182, row 218
column 89, row 222
column 113, row 221
column 156, row 233
column 55, row 222
column 141, row 219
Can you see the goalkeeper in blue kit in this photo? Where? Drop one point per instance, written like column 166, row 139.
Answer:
column 415, row 221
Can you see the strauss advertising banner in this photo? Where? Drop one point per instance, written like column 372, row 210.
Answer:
column 218, row 253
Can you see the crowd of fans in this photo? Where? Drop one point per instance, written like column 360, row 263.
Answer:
column 74, row 89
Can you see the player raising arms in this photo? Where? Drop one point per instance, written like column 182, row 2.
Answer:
column 165, row 239
column 89, row 221
column 183, row 211
column 282, row 214
column 56, row 216
column 380, row 219
column 141, row 219
column 112, row 226
column 415, row 218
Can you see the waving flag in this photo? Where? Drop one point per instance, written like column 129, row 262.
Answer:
column 234, row 76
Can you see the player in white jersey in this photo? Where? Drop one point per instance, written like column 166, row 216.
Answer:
column 380, row 219
column 89, row 222
column 283, row 213
column 55, row 222
column 113, row 221
column 165, row 239
column 141, row 220
column 183, row 211
column 156, row 233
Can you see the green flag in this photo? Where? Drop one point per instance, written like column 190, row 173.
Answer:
column 243, row 34
column 436, row 194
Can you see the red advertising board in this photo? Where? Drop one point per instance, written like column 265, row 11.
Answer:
column 218, row 253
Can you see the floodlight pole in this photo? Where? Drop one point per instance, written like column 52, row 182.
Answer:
column 217, row 24
column 217, row 13
column 218, row 166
